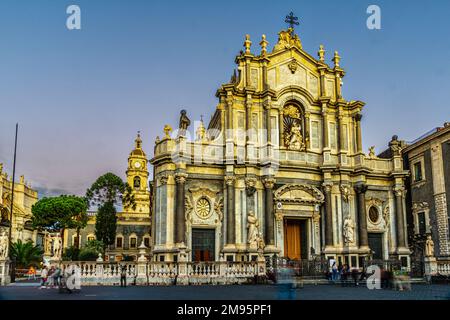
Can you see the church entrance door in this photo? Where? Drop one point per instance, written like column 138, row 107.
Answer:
column 203, row 244
column 376, row 245
column 295, row 239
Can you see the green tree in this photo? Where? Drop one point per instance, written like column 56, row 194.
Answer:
column 60, row 213
column 107, row 192
column 25, row 253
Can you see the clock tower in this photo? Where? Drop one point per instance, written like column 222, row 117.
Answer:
column 137, row 178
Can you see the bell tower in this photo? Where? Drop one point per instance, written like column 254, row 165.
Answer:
column 137, row 178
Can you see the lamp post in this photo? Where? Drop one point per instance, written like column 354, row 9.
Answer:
column 12, row 271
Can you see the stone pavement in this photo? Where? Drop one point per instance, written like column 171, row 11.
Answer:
column 234, row 292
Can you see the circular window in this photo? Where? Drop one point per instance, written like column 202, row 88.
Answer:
column 203, row 208
column 373, row 214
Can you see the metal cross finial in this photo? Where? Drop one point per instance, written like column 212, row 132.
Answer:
column 291, row 20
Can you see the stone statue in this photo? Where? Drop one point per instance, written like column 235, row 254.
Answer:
column 429, row 247
column 252, row 225
column 4, row 243
column 372, row 152
column 57, row 247
column 349, row 232
column 184, row 122
column 296, row 138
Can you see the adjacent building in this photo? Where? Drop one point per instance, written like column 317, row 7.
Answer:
column 24, row 198
column 428, row 205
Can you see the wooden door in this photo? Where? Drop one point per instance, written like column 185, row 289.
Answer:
column 292, row 239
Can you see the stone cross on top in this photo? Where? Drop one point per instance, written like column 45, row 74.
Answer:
column 291, row 20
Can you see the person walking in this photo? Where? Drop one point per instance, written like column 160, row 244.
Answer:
column 334, row 272
column 123, row 276
column 44, row 275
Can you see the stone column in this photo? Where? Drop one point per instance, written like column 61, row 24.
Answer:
column 362, row 216
column 328, row 215
column 326, row 144
column 269, row 223
column 401, row 239
column 268, row 126
column 358, row 118
column 231, row 219
column 342, row 135
column 180, row 222
column 307, row 130
column 281, row 127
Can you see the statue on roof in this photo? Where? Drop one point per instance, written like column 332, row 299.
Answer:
column 184, row 122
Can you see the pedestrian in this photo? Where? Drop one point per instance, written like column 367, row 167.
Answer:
column 50, row 278
column 334, row 272
column 57, row 276
column 344, row 274
column 44, row 274
column 355, row 276
column 123, row 276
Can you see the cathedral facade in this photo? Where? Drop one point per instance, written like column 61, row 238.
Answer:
column 279, row 168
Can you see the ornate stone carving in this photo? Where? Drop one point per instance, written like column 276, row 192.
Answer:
column 250, row 184
column 269, row 183
column 253, row 230
column 345, row 192
column 372, row 152
column 204, row 202
column 293, row 65
column 387, row 215
column 163, row 178
column 184, row 122
column 429, row 247
column 349, row 230
column 287, row 39
column 4, row 244
column 181, row 177
column 229, row 180
column 299, row 193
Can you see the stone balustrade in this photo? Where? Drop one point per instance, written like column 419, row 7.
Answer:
column 167, row 273
column 443, row 268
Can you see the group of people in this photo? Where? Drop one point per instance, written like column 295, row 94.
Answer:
column 50, row 277
column 345, row 274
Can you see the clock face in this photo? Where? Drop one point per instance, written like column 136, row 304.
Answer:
column 137, row 164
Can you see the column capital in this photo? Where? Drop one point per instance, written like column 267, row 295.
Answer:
column 229, row 180
column 358, row 117
column 326, row 186
column 163, row 178
column 360, row 188
column 400, row 191
column 269, row 182
column 181, row 177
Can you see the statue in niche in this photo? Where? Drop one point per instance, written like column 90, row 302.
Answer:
column 349, row 230
column 184, row 123
column 296, row 138
column 293, row 129
column 429, row 247
column 253, row 232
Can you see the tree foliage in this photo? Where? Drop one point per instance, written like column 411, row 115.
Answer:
column 106, row 224
column 59, row 213
column 25, row 253
column 110, row 188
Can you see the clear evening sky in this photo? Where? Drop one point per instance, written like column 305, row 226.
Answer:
column 80, row 96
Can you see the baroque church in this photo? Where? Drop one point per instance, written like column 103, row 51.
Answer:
column 133, row 225
column 279, row 169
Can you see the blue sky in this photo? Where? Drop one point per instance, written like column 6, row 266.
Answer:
column 80, row 96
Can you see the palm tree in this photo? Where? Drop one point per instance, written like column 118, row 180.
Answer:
column 25, row 253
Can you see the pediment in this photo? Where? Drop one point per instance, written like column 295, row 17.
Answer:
column 298, row 193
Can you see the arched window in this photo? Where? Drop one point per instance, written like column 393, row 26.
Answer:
column 133, row 242
column 137, row 182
